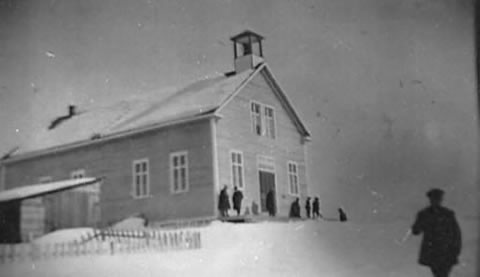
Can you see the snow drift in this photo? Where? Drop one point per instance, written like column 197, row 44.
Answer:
column 297, row 248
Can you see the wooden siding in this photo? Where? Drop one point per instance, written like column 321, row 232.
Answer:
column 113, row 160
column 235, row 132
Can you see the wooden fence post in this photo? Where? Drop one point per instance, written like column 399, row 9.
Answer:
column 181, row 240
column 199, row 240
column 147, row 238
column 187, row 239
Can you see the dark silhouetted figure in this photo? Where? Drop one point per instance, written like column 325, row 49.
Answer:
column 237, row 200
column 270, row 203
column 441, row 242
column 247, row 211
column 316, row 208
column 295, row 209
column 254, row 208
column 308, row 207
column 223, row 202
column 342, row 216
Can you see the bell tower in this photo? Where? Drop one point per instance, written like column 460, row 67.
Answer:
column 247, row 49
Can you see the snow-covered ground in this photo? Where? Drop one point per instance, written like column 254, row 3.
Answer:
column 301, row 248
column 64, row 235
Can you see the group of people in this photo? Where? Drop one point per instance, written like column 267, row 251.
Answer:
column 312, row 210
column 224, row 202
column 237, row 198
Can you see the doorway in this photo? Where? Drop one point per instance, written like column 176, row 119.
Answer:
column 267, row 183
column 266, row 179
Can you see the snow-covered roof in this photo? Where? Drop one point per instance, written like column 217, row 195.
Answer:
column 31, row 191
column 199, row 98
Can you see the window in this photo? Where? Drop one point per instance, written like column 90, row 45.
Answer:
column 293, row 178
column 256, row 115
column 263, row 115
column 269, row 122
column 179, row 172
column 236, row 161
column 141, row 182
column 77, row 174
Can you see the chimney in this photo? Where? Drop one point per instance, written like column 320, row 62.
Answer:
column 72, row 110
column 247, row 49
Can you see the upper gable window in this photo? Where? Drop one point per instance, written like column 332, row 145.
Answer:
column 256, row 115
column 263, row 119
column 269, row 122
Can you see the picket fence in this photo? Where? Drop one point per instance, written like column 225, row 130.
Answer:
column 104, row 242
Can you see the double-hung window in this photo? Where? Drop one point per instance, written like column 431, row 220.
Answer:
column 236, row 161
column 263, row 119
column 269, row 122
column 256, row 114
column 179, row 172
column 293, row 178
column 141, row 182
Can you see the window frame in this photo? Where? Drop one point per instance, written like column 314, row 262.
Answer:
column 253, row 117
column 269, row 133
column 241, row 165
column 294, row 174
column 172, row 169
column 146, row 193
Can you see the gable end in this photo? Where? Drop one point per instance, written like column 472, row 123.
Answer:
column 286, row 104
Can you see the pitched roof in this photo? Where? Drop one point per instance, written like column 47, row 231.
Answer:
column 199, row 99
column 31, row 191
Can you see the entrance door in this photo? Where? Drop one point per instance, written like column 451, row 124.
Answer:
column 267, row 183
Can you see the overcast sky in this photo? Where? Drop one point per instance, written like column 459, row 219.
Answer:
column 386, row 87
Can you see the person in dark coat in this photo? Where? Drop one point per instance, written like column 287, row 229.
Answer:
column 295, row 209
column 316, row 208
column 270, row 203
column 342, row 216
column 254, row 208
column 308, row 207
column 223, row 202
column 441, row 242
column 237, row 200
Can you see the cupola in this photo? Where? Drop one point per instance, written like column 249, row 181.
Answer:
column 247, row 49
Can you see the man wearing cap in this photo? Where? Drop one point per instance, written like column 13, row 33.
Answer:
column 441, row 243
